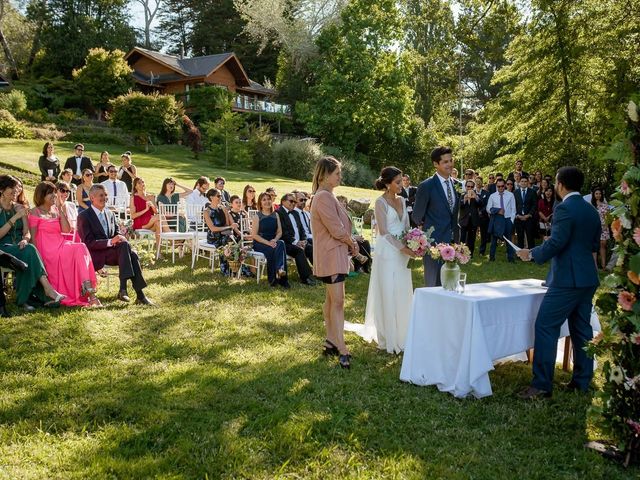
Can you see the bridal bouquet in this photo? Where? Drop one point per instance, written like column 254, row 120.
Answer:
column 455, row 253
column 417, row 241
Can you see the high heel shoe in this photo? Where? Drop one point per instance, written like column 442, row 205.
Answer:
column 87, row 289
column 345, row 361
column 330, row 349
column 55, row 301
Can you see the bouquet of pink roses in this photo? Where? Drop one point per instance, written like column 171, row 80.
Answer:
column 456, row 252
column 417, row 241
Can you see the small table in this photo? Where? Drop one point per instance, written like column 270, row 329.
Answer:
column 454, row 339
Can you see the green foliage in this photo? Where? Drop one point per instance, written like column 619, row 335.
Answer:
column 144, row 116
column 14, row 101
column 9, row 129
column 362, row 100
column 260, row 146
column 208, row 103
column 105, row 75
column 19, row 34
column 36, row 116
column 51, row 92
column 222, row 137
column 192, row 135
column 357, row 174
column 296, row 158
column 6, row 116
column 619, row 344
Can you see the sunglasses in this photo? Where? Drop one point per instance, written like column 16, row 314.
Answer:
column 251, row 191
column 509, row 183
column 88, row 174
column 500, row 186
column 469, row 186
column 111, row 171
column 64, row 191
column 302, row 200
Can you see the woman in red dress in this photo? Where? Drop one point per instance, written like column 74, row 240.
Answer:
column 143, row 210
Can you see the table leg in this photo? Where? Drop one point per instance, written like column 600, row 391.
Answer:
column 530, row 356
column 566, row 360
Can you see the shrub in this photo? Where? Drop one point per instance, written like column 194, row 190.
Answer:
column 192, row 135
column 14, row 129
column 6, row 116
column 47, row 132
column 14, row 101
column 36, row 116
column 145, row 116
column 101, row 134
column 356, row 174
column 296, row 158
column 222, row 137
column 208, row 103
column 260, row 142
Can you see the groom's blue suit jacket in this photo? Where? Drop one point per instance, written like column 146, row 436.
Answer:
column 575, row 236
column 431, row 209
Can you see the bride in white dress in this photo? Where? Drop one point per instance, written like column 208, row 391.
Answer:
column 390, row 287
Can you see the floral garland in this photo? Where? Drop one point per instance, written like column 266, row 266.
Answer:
column 619, row 342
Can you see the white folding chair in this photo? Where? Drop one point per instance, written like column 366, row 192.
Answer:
column 170, row 216
column 200, row 249
column 260, row 261
column 358, row 224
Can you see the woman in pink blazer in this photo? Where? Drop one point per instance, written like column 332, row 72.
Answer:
column 332, row 245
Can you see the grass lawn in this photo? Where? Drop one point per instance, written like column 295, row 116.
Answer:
column 224, row 379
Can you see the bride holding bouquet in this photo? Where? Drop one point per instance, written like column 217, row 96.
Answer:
column 390, row 287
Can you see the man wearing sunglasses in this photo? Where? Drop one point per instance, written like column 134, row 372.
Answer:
column 295, row 239
column 78, row 163
column 502, row 210
column 305, row 217
column 116, row 189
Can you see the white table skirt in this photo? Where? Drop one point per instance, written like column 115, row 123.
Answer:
column 453, row 340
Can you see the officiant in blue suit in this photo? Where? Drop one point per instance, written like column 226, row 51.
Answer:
column 572, row 281
column 437, row 205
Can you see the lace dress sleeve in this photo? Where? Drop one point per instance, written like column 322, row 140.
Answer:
column 381, row 224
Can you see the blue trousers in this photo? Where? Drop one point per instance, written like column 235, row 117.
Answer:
column 560, row 304
column 508, row 229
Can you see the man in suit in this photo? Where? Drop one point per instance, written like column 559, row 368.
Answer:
column 501, row 207
column 220, row 182
column 295, row 240
column 571, row 282
column 483, row 198
column 526, row 206
column 305, row 217
column 491, row 188
column 98, row 229
column 437, row 205
column 78, row 163
column 512, row 175
column 408, row 192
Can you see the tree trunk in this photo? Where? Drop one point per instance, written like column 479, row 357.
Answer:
column 13, row 68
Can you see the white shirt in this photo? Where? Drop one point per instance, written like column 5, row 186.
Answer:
column 121, row 190
column 306, row 225
column 106, row 218
column 195, row 198
column 78, row 163
column 509, row 203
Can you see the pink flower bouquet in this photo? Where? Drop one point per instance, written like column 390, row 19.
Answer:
column 456, row 252
column 417, row 241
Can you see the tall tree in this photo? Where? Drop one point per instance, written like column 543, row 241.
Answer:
column 16, row 37
column 74, row 27
column 6, row 48
column 150, row 9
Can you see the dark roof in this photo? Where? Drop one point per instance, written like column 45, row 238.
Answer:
column 202, row 66
column 4, row 81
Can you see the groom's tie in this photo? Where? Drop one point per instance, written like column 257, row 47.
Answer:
column 449, row 196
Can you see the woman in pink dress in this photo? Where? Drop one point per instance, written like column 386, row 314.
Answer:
column 143, row 210
column 68, row 263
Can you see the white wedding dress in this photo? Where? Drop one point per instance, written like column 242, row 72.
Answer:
column 390, row 287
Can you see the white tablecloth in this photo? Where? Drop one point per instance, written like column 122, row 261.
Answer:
column 454, row 339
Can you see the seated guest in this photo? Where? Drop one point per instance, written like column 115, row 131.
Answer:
column 82, row 194
column 218, row 228
column 68, row 263
column 545, row 210
column 295, row 240
column 501, row 207
column 67, row 208
column 144, row 212
column 21, row 198
column 78, row 163
column 469, row 218
column 266, row 233
column 305, row 216
column 116, row 189
column 272, row 193
column 219, row 185
column 197, row 196
column 48, row 164
column 10, row 262
column 249, row 198
column 98, row 229
column 102, row 168
column 66, row 176
column 237, row 214
column 169, row 196
column 361, row 261
column 31, row 283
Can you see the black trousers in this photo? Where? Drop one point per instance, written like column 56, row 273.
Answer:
column 484, row 236
column 525, row 228
column 468, row 236
column 129, row 265
column 300, row 257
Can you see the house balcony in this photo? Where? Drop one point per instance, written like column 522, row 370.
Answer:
column 245, row 103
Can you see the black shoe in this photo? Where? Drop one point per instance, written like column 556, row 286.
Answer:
column 492, row 259
column 309, row 281
column 533, row 393
column 4, row 313
column 512, row 260
column 144, row 301
column 344, row 361
column 574, row 387
column 330, row 349
column 122, row 296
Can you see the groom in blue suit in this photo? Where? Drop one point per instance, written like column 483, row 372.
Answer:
column 437, row 204
column 572, row 281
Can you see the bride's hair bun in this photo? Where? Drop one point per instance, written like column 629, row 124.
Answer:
column 386, row 177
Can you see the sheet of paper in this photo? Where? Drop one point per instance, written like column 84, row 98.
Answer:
column 513, row 245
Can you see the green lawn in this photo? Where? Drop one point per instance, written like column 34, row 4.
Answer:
column 224, row 379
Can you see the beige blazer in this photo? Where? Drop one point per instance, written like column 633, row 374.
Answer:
column 331, row 228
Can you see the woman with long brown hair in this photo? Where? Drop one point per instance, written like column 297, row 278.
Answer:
column 249, row 198
column 332, row 244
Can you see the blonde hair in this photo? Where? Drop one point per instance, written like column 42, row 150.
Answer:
column 324, row 167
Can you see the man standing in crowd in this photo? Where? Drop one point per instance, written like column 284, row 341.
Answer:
column 483, row 199
column 294, row 238
column 526, row 206
column 437, row 205
column 78, row 163
column 408, row 192
column 571, row 282
column 512, row 175
column 502, row 209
